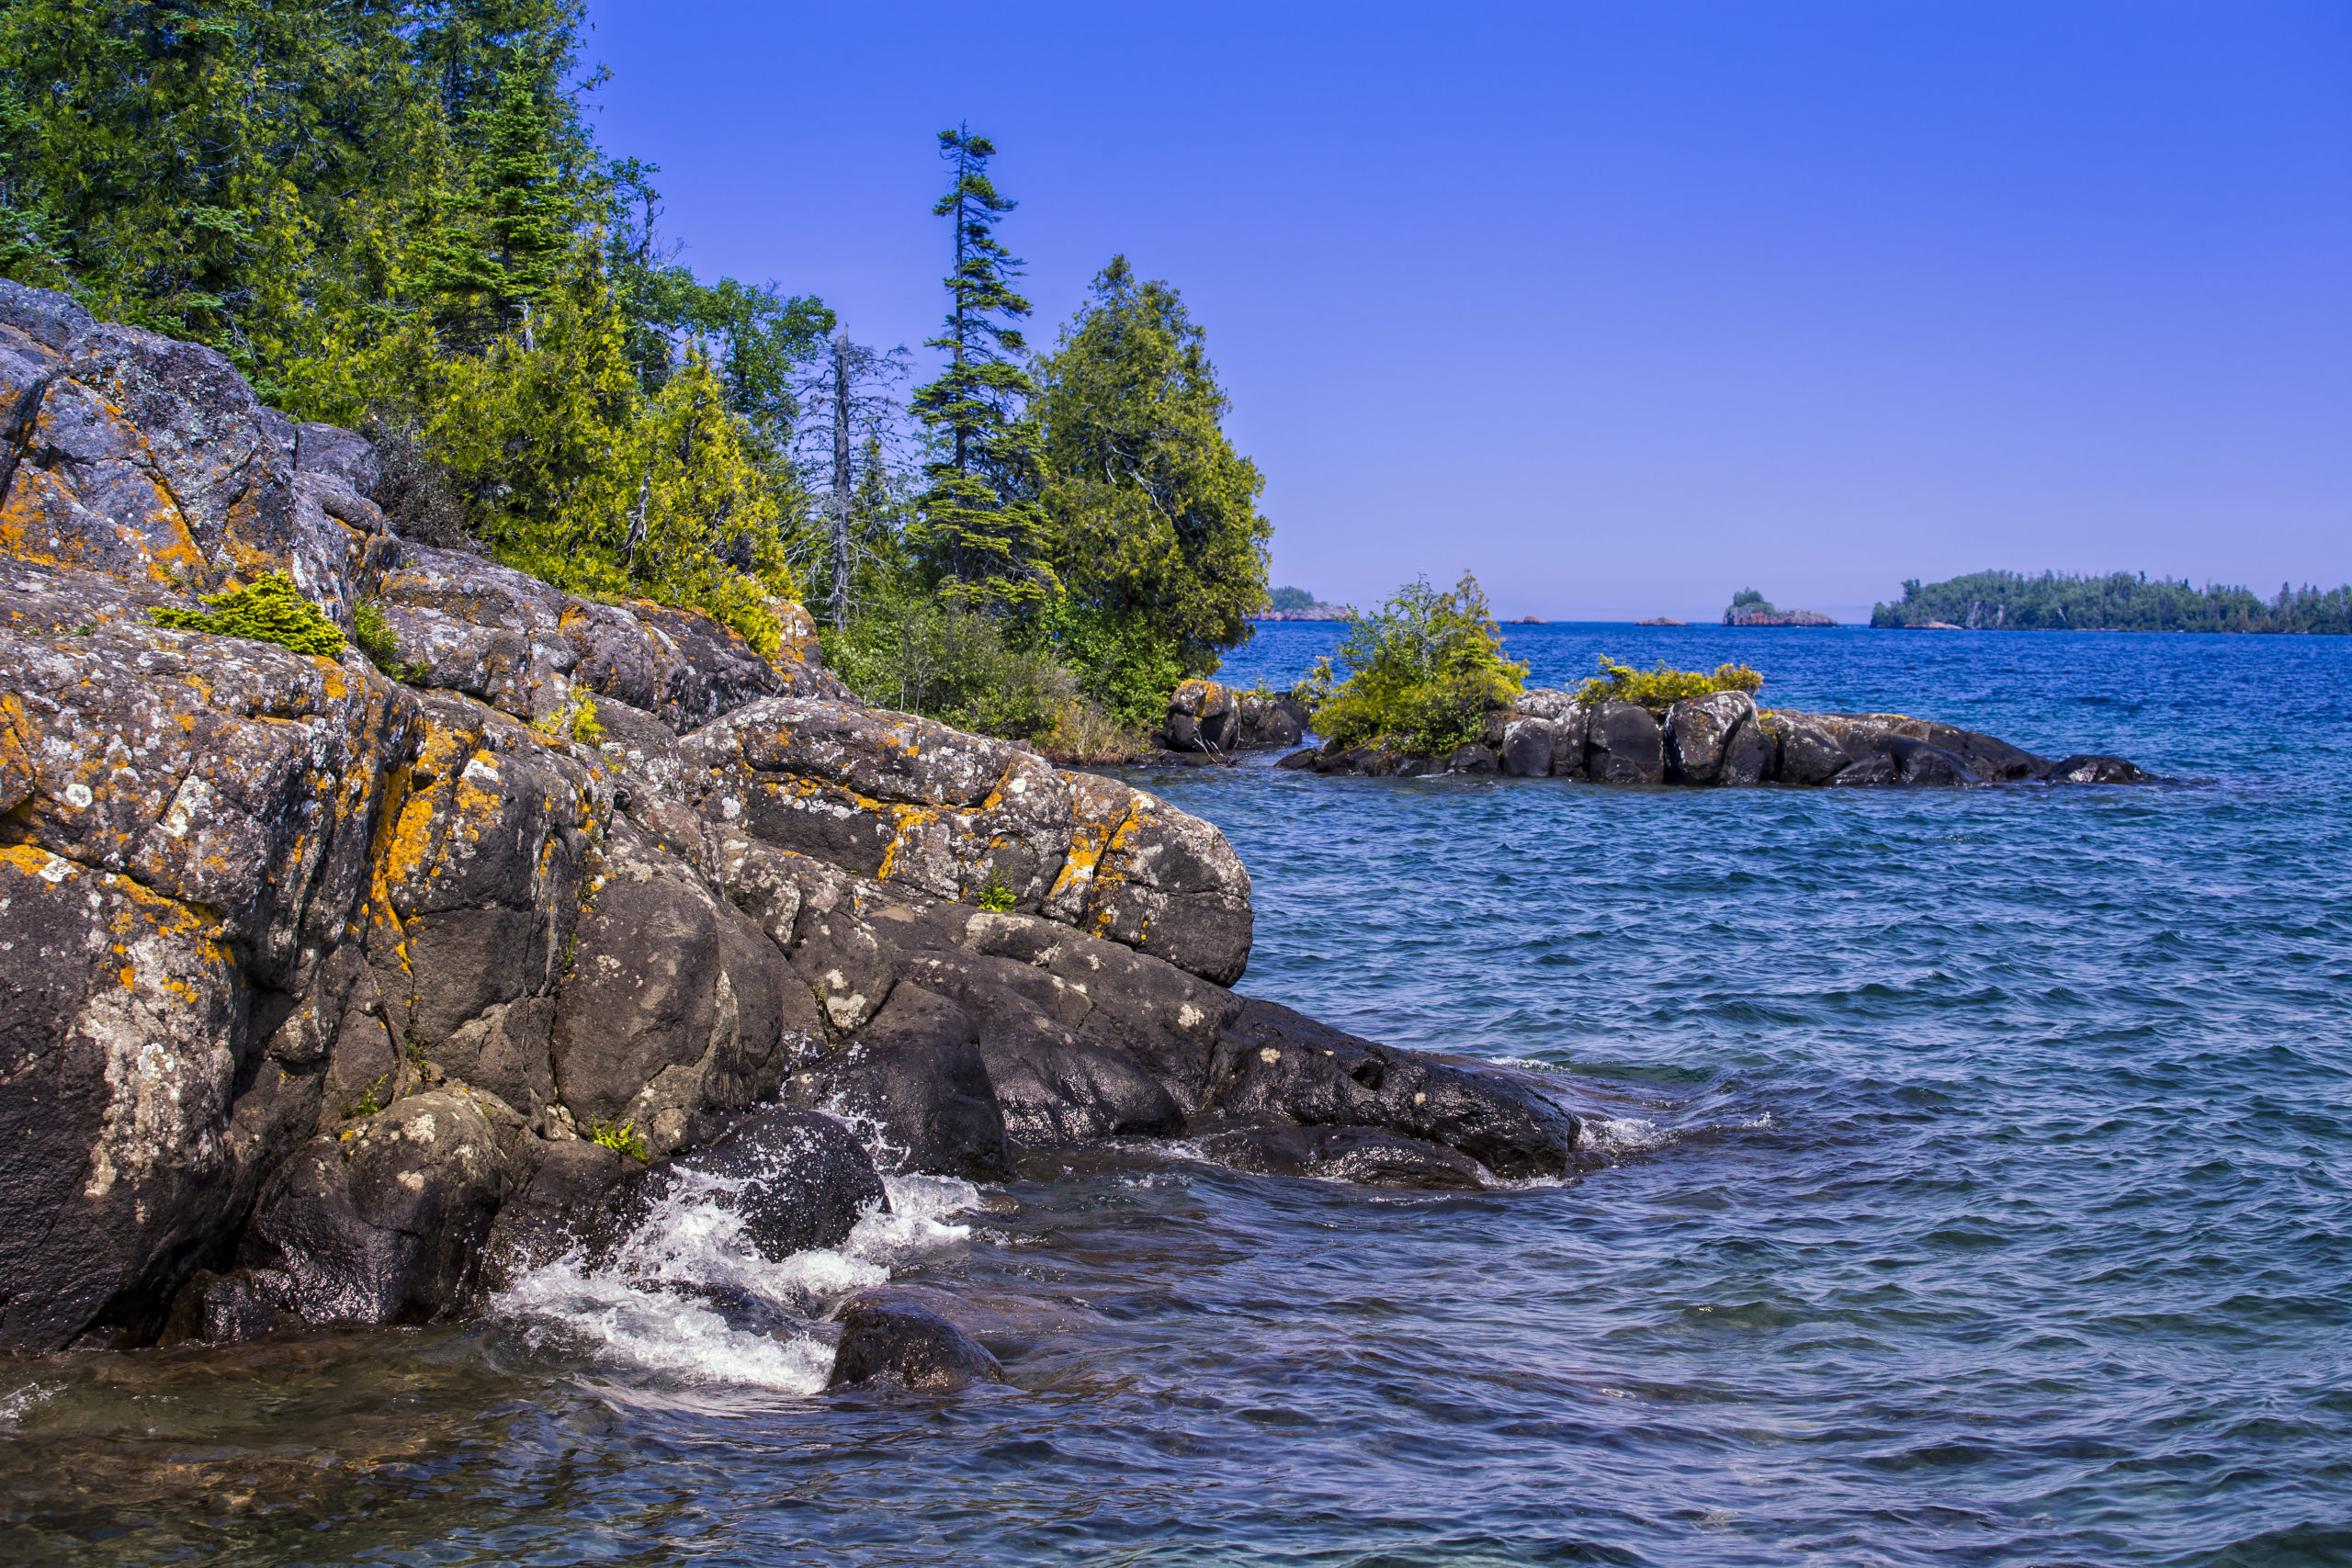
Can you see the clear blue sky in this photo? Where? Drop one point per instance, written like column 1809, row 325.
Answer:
column 1623, row 306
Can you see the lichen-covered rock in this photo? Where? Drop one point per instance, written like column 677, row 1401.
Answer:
column 119, row 1053
column 1203, row 715
column 1699, row 732
column 907, row 801
column 1265, row 723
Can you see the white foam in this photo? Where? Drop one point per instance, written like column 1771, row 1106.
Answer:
column 1626, row 1135
column 620, row 1310
column 14, row 1406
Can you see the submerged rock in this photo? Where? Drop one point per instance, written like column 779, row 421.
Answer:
column 884, row 1336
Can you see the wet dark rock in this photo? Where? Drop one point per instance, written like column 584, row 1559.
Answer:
column 2094, row 768
column 218, row 1309
column 883, row 1337
column 1300, row 761
column 1359, row 1154
column 1203, row 715
column 799, row 1180
column 915, row 1074
column 1877, row 769
column 564, row 1205
column 1473, row 758
column 385, row 1220
column 1752, row 755
column 1268, row 722
column 1625, row 746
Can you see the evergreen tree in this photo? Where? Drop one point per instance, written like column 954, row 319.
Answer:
column 981, row 534
column 1154, row 518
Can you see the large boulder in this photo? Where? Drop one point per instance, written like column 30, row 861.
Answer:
column 1625, row 746
column 385, row 1220
column 1203, row 715
column 677, row 1011
column 1700, row 732
column 915, row 1078
column 1528, row 746
column 1268, row 722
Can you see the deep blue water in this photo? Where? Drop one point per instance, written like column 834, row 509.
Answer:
column 1977, row 1195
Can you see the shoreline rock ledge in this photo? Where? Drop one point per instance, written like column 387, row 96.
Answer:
column 330, row 996
column 1722, row 739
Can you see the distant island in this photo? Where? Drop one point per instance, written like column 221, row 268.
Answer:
column 1750, row 608
column 1298, row 604
column 2008, row 601
column 1661, row 621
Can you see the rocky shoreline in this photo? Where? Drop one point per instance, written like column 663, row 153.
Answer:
column 1720, row 739
column 336, row 998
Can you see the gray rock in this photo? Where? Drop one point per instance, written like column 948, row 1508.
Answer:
column 1527, row 748
column 331, row 449
column 1625, row 746
column 910, row 1343
column 1266, row 722
column 1810, row 754
column 1752, row 755
column 1203, row 715
column 384, row 1222
column 50, row 318
column 1362, row 1156
column 1699, row 732
column 1473, row 758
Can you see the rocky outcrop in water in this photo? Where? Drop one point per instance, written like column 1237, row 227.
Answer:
column 1723, row 738
column 1208, row 717
column 331, row 996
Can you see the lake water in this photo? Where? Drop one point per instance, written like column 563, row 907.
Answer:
column 1976, row 1193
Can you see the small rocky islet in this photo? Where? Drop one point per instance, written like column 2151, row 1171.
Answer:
column 1721, row 738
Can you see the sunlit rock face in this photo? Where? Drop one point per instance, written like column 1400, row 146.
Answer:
column 331, row 994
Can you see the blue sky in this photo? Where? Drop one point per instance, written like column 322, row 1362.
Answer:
column 1624, row 306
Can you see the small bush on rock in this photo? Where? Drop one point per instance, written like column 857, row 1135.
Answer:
column 1424, row 670
column 622, row 1136
column 1660, row 689
column 270, row 609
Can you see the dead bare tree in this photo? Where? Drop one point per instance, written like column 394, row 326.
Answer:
column 852, row 442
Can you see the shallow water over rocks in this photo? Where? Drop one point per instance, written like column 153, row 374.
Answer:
column 1974, row 1191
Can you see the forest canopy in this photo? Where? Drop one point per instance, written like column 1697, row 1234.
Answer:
column 2008, row 601
column 396, row 217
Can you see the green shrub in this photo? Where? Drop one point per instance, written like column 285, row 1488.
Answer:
column 1661, row 688
column 576, row 719
column 1424, row 670
column 917, row 655
column 270, row 609
column 622, row 1136
column 376, row 638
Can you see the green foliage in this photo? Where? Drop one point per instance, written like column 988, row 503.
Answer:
column 1424, row 670
column 2008, row 601
column 917, row 653
column 1660, row 689
column 268, row 609
column 979, row 533
column 996, row 894
column 374, row 634
column 1155, row 516
column 622, row 1136
column 575, row 720
column 1747, row 596
column 1291, row 599
column 394, row 217
column 369, row 1102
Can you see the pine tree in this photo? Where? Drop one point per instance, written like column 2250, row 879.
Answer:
column 981, row 534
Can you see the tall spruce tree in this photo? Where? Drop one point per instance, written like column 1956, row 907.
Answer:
column 980, row 532
column 1155, row 525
